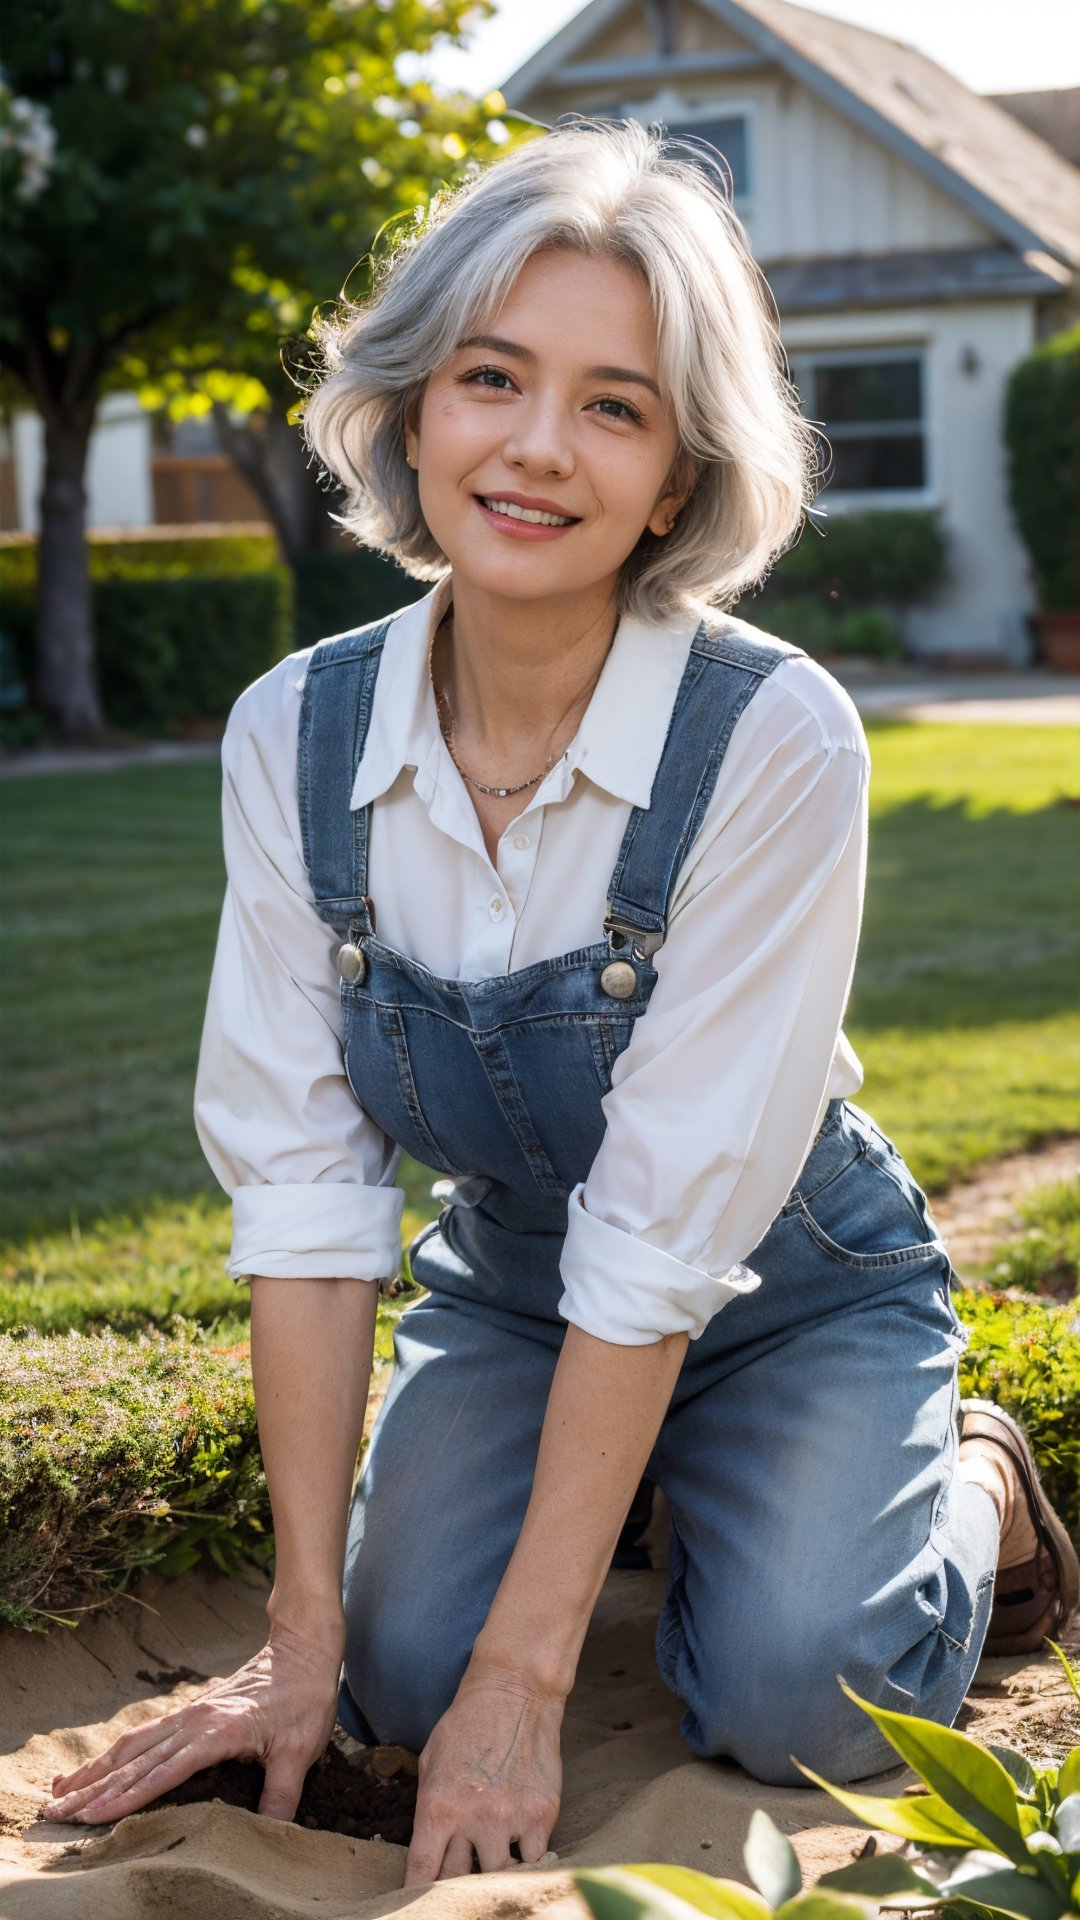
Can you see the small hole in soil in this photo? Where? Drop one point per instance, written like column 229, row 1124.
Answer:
column 372, row 1795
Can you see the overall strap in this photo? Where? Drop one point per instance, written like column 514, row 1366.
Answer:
column 335, row 712
column 726, row 665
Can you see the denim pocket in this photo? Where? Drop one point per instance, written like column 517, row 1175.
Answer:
column 868, row 1217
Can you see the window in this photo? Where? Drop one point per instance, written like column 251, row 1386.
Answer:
column 728, row 137
column 870, row 403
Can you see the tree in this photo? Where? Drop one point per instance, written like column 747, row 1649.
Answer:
column 185, row 179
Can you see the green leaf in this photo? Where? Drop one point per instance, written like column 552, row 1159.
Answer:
column 771, row 1860
column 1006, row 1891
column 822, row 1906
column 1068, row 1780
column 965, row 1775
column 923, row 1817
column 1071, row 1674
column 655, row 1892
column 885, row 1878
column 1019, row 1769
column 1067, row 1817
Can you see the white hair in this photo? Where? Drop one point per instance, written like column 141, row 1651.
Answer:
column 607, row 188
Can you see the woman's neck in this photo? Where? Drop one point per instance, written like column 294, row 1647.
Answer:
column 517, row 673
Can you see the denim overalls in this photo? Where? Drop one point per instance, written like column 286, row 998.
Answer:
column 807, row 1456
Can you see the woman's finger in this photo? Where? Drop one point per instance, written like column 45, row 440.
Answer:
column 137, row 1740
column 457, row 1859
column 120, row 1798
column 283, row 1784
column 107, row 1779
column 427, row 1850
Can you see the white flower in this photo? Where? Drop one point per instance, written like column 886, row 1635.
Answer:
column 196, row 136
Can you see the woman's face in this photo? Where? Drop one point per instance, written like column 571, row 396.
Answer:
column 554, row 410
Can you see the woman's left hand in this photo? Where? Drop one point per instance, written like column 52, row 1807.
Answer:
column 491, row 1774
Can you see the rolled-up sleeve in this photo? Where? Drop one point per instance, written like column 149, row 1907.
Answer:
column 717, row 1097
column 311, row 1175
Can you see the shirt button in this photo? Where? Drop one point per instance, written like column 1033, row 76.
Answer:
column 521, row 841
column 496, row 907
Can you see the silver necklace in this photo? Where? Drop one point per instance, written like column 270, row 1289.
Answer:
column 447, row 731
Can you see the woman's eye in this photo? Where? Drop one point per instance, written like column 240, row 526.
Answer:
column 618, row 409
column 492, row 377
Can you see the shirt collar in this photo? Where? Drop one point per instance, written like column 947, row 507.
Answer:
column 618, row 743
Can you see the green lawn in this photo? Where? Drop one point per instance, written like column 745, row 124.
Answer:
column 964, row 1013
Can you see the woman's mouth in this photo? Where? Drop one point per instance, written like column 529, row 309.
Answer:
column 521, row 521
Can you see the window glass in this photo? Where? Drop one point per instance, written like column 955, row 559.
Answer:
column 728, row 138
column 870, row 390
column 870, row 407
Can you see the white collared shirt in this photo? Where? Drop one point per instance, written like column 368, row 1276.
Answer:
column 717, row 1097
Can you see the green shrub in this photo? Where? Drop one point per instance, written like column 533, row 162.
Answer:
column 861, row 560
column 1024, row 1353
column 338, row 591
column 1045, row 1257
column 188, row 645
column 118, row 1454
column 182, row 626
column 1042, row 441
column 809, row 624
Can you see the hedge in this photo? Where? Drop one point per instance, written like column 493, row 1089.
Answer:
column 118, row 1454
column 1042, row 441
column 182, row 626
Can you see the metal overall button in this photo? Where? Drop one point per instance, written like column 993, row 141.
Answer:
column 351, row 962
column 619, row 979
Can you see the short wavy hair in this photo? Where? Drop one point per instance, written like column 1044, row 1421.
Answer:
column 610, row 188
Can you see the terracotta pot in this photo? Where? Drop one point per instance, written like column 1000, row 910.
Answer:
column 1058, row 634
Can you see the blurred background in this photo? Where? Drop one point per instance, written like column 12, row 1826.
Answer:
column 184, row 187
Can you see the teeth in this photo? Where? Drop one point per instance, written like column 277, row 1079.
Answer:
column 538, row 519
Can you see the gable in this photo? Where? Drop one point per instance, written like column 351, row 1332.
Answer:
column 953, row 168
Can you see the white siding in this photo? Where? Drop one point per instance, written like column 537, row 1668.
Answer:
column 982, row 607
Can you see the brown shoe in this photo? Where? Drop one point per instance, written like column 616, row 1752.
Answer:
column 1034, row 1598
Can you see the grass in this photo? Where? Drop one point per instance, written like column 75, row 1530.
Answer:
column 964, row 1009
column 1045, row 1255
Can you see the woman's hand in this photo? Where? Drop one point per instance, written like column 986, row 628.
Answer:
column 278, row 1708
column 491, row 1774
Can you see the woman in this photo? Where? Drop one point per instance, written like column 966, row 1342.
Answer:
column 554, row 879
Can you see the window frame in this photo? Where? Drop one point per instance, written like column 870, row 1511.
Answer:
column 881, row 353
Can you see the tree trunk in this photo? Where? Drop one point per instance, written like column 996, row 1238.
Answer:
column 274, row 462
column 66, row 683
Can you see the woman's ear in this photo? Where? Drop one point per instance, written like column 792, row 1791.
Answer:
column 680, row 486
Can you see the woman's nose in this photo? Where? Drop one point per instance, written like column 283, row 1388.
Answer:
column 541, row 441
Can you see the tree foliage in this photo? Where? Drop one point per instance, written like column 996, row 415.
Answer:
column 184, row 182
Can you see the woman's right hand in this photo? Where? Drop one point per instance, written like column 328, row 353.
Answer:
column 279, row 1708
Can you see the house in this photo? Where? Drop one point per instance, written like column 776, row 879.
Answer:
column 919, row 240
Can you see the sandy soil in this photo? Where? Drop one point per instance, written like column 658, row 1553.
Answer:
column 632, row 1791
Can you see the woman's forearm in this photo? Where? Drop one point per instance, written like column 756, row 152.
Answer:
column 311, row 1352
column 604, row 1411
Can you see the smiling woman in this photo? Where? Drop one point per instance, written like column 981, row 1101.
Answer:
column 610, row 1013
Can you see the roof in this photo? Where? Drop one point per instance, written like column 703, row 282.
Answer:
column 971, row 148
column 904, row 278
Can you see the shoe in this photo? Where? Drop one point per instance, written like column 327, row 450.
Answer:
column 1034, row 1598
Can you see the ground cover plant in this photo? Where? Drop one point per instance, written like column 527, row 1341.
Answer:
column 1044, row 1255
column 121, row 1453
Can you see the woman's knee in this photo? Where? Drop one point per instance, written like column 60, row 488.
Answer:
column 768, row 1714
column 402, row 1670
